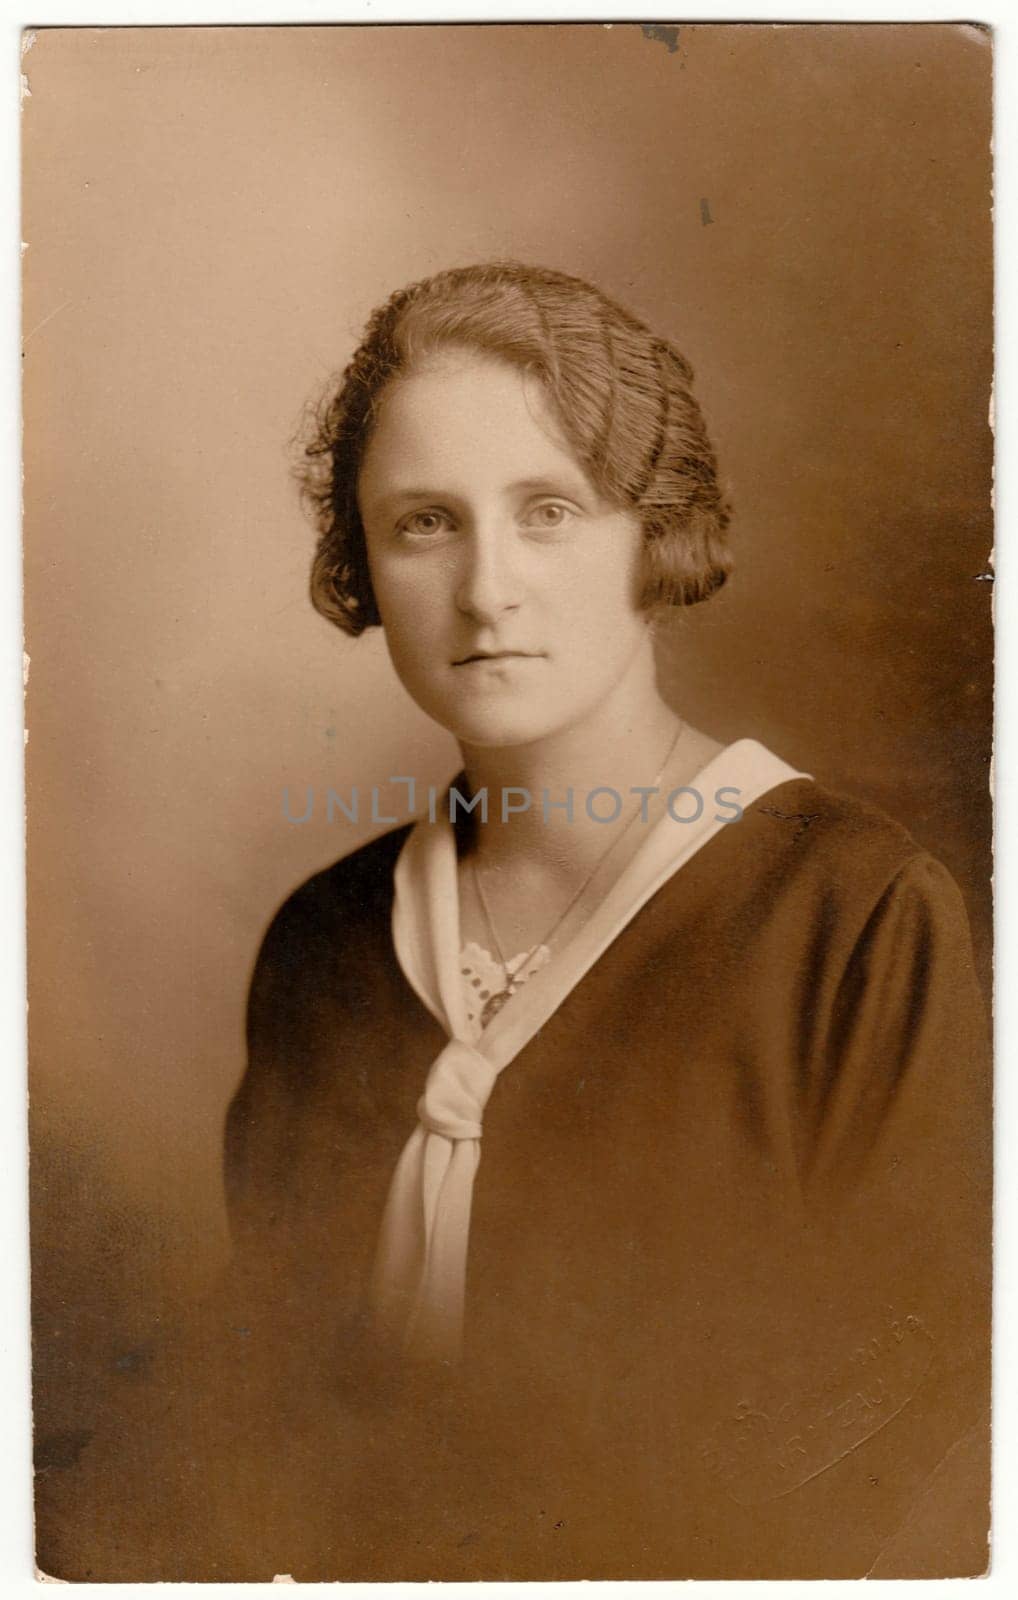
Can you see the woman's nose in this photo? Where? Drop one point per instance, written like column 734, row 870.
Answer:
column 490, row 582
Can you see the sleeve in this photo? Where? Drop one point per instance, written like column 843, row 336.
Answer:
column 256, row 1120
column 267, row 1119
column 901, row 1169
column 895, row 1431
column 255, row 1102
column 296, row 969
column 904, row 1091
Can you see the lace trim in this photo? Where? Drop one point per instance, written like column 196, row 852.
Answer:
column 482, row 976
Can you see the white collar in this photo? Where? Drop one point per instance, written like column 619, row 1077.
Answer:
column 425, row 917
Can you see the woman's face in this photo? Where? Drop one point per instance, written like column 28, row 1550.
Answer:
column 508, row 589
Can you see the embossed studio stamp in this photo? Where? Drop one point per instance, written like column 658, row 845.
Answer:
column 759, row 1452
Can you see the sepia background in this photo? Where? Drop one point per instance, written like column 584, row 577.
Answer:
column 210, row 215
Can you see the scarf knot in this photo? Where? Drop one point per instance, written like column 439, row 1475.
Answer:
column 456, row 1093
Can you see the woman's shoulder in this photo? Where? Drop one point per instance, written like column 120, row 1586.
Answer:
column 802, row 819
column 807, row 842
column 356, row 888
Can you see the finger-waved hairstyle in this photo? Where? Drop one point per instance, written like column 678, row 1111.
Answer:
column 621, row 395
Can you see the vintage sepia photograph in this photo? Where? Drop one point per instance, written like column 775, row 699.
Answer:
column 508, row 536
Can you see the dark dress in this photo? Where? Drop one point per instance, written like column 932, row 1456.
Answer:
column 728, row 1281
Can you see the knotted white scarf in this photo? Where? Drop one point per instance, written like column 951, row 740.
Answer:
column 419, row 1281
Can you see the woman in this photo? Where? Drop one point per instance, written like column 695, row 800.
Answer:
column 723, row 1265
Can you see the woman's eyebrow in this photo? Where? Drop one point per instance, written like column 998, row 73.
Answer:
column 564, row 483
column 400, row 497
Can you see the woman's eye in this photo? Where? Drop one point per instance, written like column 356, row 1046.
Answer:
column 550, row 514
column 424, row 524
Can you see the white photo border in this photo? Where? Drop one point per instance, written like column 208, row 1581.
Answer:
column 16, row 1564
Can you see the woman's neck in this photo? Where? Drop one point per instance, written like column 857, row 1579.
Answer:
column 621, row 747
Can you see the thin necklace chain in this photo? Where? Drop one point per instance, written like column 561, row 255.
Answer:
column 497, row 1001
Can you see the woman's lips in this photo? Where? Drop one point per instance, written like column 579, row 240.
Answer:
column 483, row 657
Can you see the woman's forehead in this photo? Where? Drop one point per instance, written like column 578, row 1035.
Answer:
column 465, row 417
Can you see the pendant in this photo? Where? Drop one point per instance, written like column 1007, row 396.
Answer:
column 493, row 1006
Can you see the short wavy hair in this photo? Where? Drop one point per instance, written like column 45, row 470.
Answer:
column 622, row 396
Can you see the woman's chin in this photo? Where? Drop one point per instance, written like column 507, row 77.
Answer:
column 490, row 728
column 501, row 733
